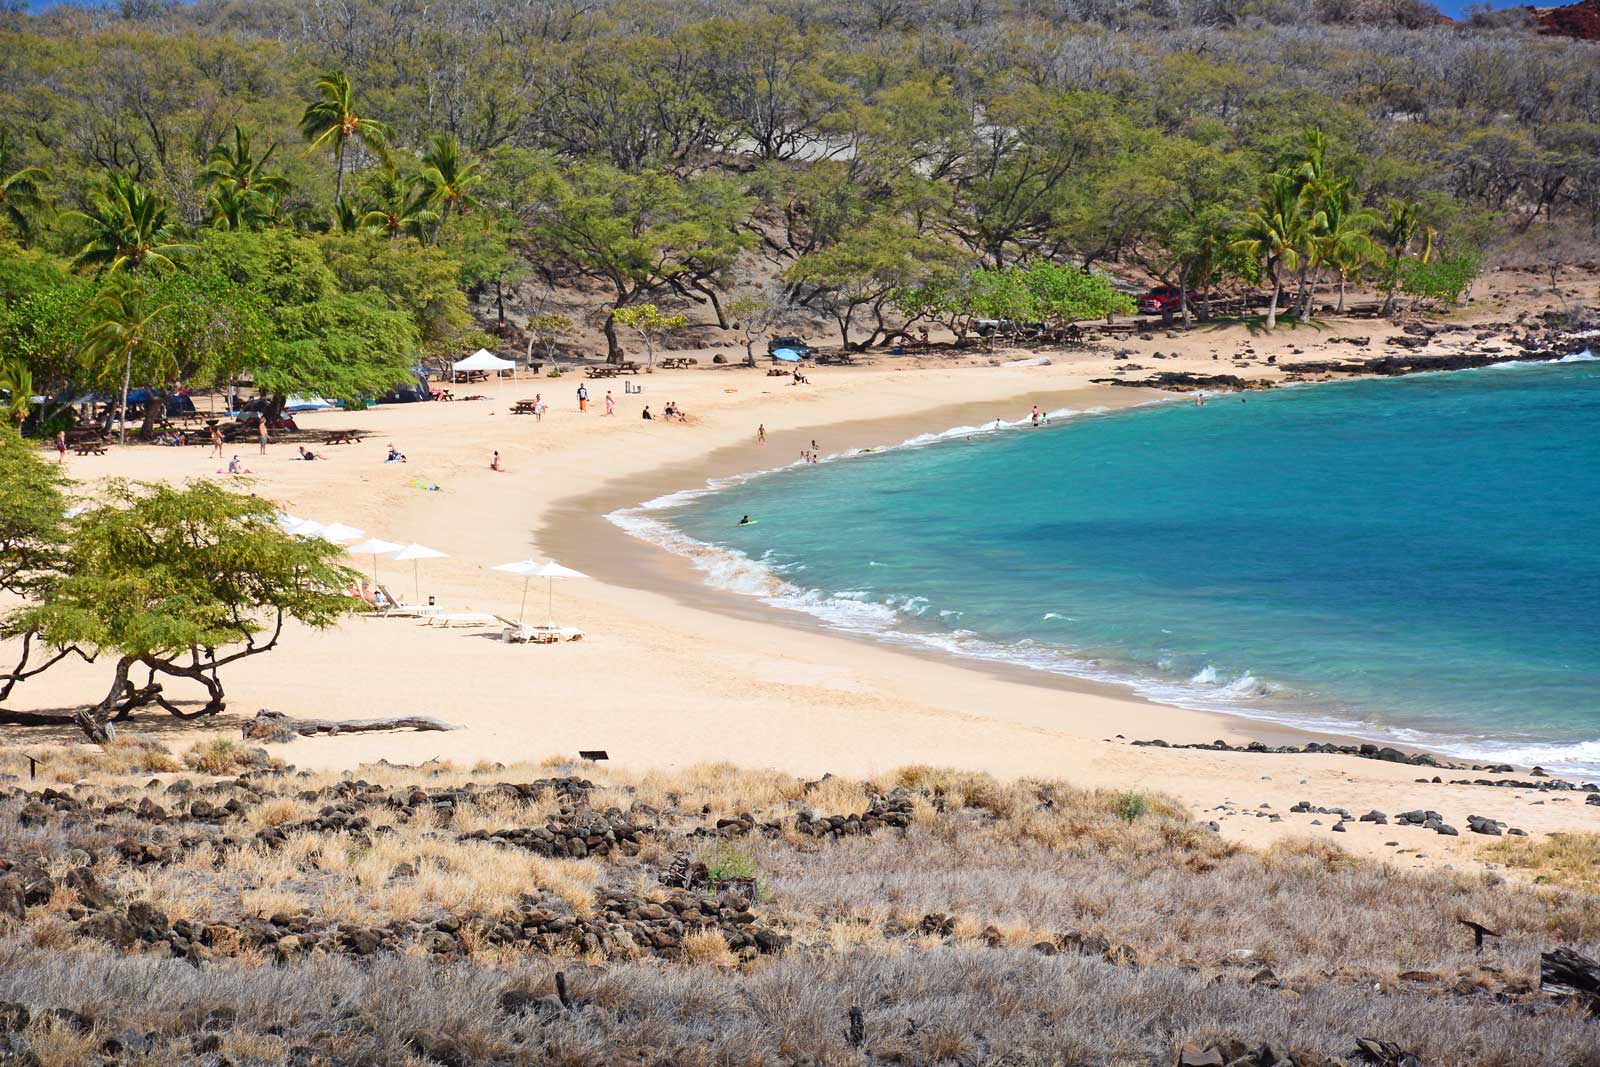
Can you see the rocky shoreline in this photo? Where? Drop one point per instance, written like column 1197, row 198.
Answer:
column 1543, row 339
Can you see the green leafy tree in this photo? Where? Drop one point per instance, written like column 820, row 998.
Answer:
column 422, row 282
column 122, row 325
column 652, row 323
column 128, row 229
column 22, row 198
column 16, row 385
column 1444, row 278
column 450, row 179
column 632, row 232
column 180, row 583
column 1064, row 293
column 864, row 271
column 346, row 340
column 33, row 530
column 546, row 330
column 333, row 118
column 41, row 317
column 1395, row 234
column 757, row 309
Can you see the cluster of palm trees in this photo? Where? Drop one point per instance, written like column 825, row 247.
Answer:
column 1309, row 219
column 128, row 230
column 415, row 203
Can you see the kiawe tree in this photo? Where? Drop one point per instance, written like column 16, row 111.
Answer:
column 178, row 583
column 334, row 118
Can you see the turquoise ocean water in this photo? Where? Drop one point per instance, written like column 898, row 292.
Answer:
column 1411, row 560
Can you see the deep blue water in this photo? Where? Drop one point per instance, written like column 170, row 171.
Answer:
column 1411, row 559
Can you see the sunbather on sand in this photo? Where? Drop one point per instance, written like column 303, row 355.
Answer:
column 307, row 454
column 395, row 455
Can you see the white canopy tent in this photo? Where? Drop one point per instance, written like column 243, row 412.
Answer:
column 483, row 360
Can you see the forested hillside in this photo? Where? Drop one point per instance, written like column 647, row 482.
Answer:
column 326, row 179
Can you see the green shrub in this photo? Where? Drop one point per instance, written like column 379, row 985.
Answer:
column 1132, row 806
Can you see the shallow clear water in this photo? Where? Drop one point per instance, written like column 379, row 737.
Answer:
column 1410, row 559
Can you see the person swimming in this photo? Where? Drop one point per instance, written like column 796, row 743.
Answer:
column 745, row 521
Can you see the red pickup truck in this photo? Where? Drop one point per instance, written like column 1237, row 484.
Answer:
column 1163, row 298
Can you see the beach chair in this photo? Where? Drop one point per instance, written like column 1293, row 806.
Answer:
column 449, row 619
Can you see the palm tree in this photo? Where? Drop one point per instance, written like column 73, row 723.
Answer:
column 128, row 229
column 1345, row 243
column 346, row 219
column 334, row 117
column 1276, row 232
column 401, row 204
column 450, row 178
column 121, row 321
column 1395, row 233
column 232, row 209
column 21, row 191
column 237, row 167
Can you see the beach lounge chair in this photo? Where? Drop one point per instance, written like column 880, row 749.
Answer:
column 458, row 618
column 528, row 634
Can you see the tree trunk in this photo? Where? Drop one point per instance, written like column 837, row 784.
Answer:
column 613, row 349
column 338, row 163
column 1183, row 295
column 127, row 376
column 716, row 306
column 1341, row 292
column 95, row 721
column 276, row 726
column 1272, row 309
column 439, row 226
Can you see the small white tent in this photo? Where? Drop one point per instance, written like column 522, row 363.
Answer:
column 484, row 360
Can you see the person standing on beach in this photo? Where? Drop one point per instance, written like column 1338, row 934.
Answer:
column 538, row 407
column 494, row 463
column 61, row 446
column 583, row 398
column 264, row 438
column 1036, row 414
column 611, row 405
column 216, row 442
column 761, row 434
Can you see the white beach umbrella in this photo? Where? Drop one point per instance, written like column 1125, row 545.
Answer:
column 414, row 553
column 374, row 547
column 338, row 533
column 550, row 571
column 305, row 528
column 288, row 521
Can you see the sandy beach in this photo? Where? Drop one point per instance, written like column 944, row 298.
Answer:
column 673, row 672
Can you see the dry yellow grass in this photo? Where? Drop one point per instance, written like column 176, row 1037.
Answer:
column 58, row 1045
column 708, row 948
column 74, row 763
column 1571, row 860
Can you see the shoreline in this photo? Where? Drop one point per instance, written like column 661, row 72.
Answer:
column 582, row 529
column 582, row 526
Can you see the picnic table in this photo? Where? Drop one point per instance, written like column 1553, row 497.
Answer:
column 470, row 376
column 347, row 437
column 523, row 407
column 91, row 447
column 835, row 358
column 679, row 362
column 602, row 372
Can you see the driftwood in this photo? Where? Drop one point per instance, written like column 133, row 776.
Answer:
column 276, row 726
column 1564, row 973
